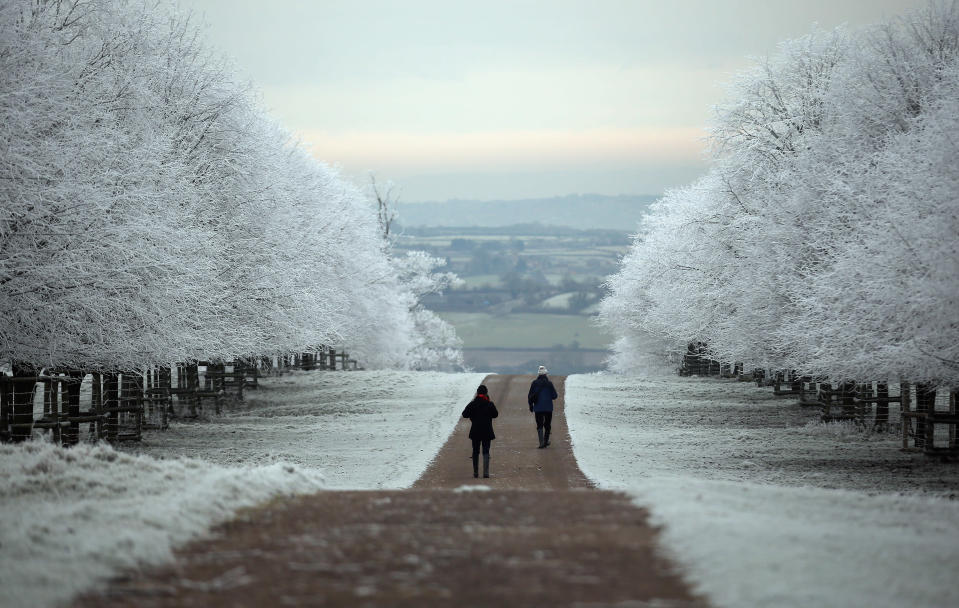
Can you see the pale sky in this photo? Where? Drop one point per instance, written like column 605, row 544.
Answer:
column 490, row 99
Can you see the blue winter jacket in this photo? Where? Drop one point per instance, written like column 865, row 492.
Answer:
column 541, row 395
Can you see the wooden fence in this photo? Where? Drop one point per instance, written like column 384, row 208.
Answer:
column 78, row 405
column 71, row 406
column 928, row 418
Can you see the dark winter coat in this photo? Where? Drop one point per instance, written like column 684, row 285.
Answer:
column 481, row 412
column 541, row 395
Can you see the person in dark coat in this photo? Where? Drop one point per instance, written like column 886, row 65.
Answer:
column 541, row 395
column 481, row 412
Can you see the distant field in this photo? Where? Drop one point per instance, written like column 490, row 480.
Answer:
column 525, row 330
column 482, row 280
column 559, row 300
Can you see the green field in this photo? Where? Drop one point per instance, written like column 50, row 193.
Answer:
column 482, row 280
column 525, row 330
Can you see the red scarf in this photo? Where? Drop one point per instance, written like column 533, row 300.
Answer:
column 479, row 396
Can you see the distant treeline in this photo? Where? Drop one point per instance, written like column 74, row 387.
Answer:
column 589, row 211
column 596, row 235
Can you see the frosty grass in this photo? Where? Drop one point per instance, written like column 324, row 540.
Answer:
column 72, row 518
column 760, row 505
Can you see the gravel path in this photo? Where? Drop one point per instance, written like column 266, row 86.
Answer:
column 534, row 533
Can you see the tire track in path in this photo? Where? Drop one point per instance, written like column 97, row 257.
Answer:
column 533, row 533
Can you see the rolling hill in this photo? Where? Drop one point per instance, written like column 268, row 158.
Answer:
column 584, row 211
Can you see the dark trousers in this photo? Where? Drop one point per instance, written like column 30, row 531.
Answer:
column 544, row 420
column 476, row 446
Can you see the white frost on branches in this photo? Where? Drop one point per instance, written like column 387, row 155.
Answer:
column 151, row 212
column 435, row 343
column 824, row 238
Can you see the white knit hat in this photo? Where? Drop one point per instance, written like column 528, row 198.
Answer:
column 542, row 370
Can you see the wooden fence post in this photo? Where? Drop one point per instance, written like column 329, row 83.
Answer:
column 134, row 395
column 926, row 406
column 218, row 384
column 22, row 403
column 239, row 377
column 193, row 385
column 863, row 401
column 165, row 382
column 72, row 436
column 48, row 389
column 149, row 384
column 96, row 404
column 53, row 407
column 5, row 407
column 952, row 427
column 882, row 406
column 111, row 403
column 847, row 396
column 905, row 394
column 796, row 382
column 825, row 401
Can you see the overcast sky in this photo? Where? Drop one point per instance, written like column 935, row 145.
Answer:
column 512, row 99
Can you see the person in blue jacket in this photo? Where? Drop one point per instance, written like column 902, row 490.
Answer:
column 481, row 412
column 541, row 395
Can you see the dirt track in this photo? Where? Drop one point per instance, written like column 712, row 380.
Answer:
column 534, row 533
column 515, row 460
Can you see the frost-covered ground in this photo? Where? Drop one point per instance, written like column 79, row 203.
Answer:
column 761, row 505
column 364, row 430
column 72, row 517
column 764, row 506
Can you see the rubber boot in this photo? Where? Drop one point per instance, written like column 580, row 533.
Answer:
column 485, row 465
column 546, row 439
column 475, row 465
column 542, row 443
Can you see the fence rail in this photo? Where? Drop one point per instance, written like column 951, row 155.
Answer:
column 928, row 416
column 81, row 405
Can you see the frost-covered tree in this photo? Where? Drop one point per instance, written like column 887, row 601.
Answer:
column 434, row 343
column 151, row 211
column 889, row 275
column 823, row 238
column 714, row 258
column 92, row 254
